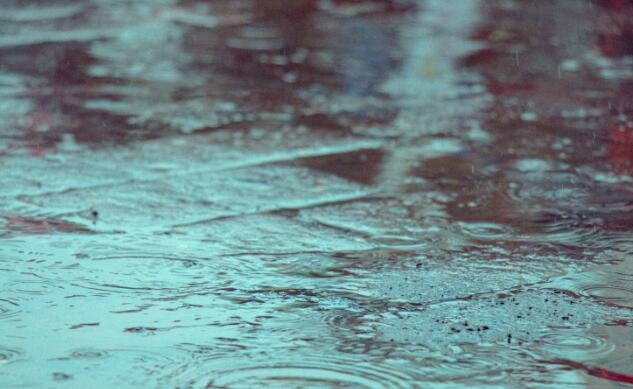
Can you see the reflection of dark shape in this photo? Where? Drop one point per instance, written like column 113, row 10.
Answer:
column 365, row 55
column 621, row 150
column 617, row 40
column 292, row 19
column 283, row 9
column 617, row 45
column 361, row 166
column 616, row 5
column 384, row 5
column 284, row 42
column 260, row 55
column 62, row 87
column 322, row 122
column 57, row 69
column 19, row 225
column 480, row 57
column 70, row 68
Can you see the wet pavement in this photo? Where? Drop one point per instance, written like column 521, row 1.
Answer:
column 332, row 193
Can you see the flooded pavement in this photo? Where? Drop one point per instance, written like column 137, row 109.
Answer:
column 334, row 193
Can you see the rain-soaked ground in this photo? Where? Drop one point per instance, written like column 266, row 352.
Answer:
column 332, row 193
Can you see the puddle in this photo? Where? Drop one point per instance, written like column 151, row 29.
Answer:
column 332, row 193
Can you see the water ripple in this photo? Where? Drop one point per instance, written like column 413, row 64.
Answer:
column 8, row 309
column 9, row 355
column 616, row 295
column 565, row 344
column 313, row 372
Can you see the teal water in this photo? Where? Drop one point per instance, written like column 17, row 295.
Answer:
column 379, row 194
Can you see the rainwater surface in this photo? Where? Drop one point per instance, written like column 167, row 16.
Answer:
column 316, row 194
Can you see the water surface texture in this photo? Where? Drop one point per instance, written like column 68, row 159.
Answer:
column 316, row 194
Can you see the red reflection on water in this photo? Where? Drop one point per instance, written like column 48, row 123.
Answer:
column 596, row 371
column 616, row 38
column 22, row 225
column 621, row 150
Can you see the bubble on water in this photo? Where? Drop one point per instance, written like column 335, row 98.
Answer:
column 87, row 353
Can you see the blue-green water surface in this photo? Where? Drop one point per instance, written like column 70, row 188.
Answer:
column 307, row 194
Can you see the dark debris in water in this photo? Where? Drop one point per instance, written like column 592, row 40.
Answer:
column 80, row 325
column 516, row 318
